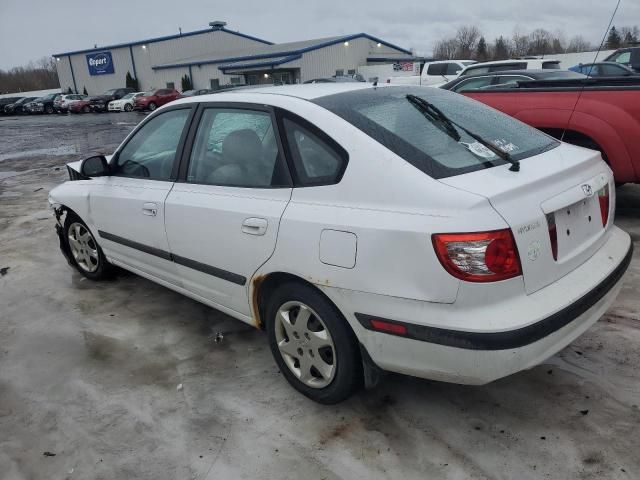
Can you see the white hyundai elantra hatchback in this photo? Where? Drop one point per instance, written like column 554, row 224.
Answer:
column 366, row 229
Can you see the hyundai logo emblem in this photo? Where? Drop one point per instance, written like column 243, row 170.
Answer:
column 588, row 191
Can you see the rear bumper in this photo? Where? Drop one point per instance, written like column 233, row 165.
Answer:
column 510, row 338
column 539, row 325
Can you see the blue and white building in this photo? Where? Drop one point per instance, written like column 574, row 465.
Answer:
column 217, row 57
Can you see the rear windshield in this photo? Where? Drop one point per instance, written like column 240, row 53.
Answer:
column 551, row 65
column 387, row 116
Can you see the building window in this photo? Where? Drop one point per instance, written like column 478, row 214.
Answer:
column 351, row 71
column 171, row 85
column 339, row 73
column 215, row 84
column 236, row 80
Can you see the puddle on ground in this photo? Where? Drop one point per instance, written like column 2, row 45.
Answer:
column 62, row 150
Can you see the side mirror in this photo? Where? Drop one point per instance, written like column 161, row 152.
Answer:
column 95, row 166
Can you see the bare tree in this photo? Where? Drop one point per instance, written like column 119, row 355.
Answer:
column 578, row 44
column 38, row 75
column 520, row 44
column 467, row 38
column 540, row 42
column 445, row 49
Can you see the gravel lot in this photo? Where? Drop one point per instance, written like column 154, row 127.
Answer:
column 89, row 372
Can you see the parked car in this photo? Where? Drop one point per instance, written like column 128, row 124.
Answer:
column 405, row 229
column 599, row 113
column 30, row 107
column 125, row 104
column 61, row 103
column 99, row 103
column 338, row 79
column 156, row 98
column 43, row 104
column 80, row 106
column 505, row 79
column 603, row 69
column 193, row 93
column 516, row 64
column 433, row 73
column 17, row 108
column 7, row 101
column 629, row 57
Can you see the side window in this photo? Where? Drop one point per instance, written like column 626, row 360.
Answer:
column 508, row 66
column 472, row 84
column 316, row 158
column 551, row 65
column 453, row 69
column 237, row 148
column 624, row 57
column 151, row 152
column 512, row 79
column 436, row 69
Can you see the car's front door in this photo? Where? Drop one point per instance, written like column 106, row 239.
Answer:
column 127, row 207
column 222, row 220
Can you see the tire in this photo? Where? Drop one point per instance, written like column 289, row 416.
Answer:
column 86, row 109
column 152, row 106
column 127, row 107
column 320, row 357
column 48, row 109
column 86, row 255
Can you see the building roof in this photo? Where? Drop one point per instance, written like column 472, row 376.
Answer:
column 162, row 39
column 271, row 53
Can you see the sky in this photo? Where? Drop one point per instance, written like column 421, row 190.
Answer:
column 32, row 29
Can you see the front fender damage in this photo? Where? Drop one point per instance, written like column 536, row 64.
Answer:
column 64, row 245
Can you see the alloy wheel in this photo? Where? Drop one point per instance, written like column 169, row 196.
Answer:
column 83, row 247
column 305, row 344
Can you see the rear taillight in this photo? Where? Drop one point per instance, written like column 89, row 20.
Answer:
column 553, row 234
column 478, row 257
column 603, row 199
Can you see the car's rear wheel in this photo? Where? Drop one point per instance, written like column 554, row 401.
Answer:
column 127, row 107
column 313, row 344
column 86, row 254
column 152, row 106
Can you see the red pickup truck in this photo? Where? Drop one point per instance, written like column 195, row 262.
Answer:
column 606, row 116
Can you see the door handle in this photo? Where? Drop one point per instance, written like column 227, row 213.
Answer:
column 150, row 209
column 255, row 226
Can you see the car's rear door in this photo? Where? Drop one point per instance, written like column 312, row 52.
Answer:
column 222, row 218
column 127, row 207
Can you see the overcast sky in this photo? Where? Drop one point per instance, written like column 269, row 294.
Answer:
column 32, row 29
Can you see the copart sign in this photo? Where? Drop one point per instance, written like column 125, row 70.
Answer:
column 100, row 63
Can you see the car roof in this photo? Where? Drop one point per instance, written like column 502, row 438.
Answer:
column 535, row 73
column 305, row 91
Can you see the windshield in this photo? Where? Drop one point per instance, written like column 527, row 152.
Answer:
column 387, row 116
column 128, row 96
column 110, row 92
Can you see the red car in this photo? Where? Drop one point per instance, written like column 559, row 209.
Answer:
column 598, row 113
column 156, row 98
column 80, row 106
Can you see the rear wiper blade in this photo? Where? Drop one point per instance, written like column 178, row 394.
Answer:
column 432, row 114
column 428, row 108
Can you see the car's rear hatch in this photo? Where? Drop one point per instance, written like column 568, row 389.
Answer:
column 558, row 188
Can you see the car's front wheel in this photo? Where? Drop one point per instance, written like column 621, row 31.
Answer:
column 127, row 107
column 313, row 344
column 86, row 254
column 152, row 106
column 48, row 109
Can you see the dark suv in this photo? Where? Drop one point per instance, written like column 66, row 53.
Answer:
column 99, row 103
column 629, row 57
